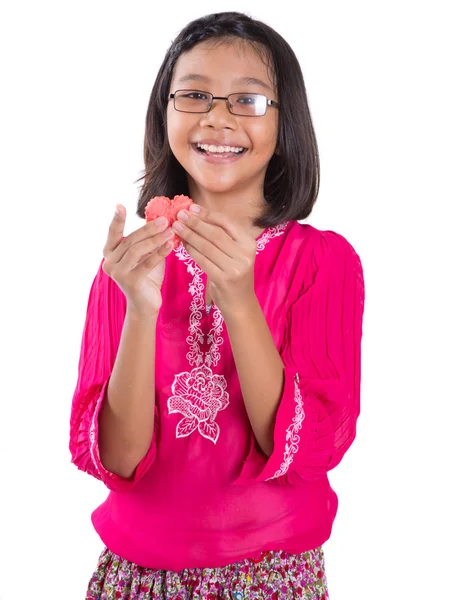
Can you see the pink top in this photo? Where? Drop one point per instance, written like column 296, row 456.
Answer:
column 203, row 495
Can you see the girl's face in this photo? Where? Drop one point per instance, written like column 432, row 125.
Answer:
column 223, row 70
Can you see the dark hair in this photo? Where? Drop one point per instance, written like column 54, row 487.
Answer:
column 291, row 182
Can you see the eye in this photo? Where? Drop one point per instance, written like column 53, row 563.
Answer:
column 246, row 100
column 195, row 96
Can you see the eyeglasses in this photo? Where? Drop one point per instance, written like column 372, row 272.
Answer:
column 244, row 104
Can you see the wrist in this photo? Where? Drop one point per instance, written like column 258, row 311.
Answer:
column 133, row 314
column 241, row 310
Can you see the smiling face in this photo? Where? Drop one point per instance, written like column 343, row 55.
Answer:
column 223, row 69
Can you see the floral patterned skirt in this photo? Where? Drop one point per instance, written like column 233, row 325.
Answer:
column 276, row 575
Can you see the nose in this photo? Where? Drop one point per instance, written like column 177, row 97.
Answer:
column 219, row 115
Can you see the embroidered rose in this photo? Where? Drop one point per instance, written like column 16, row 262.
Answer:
column 198, row 396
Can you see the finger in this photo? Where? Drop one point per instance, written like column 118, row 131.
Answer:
column 130, row 257
column 151, row 259
column 233, row 230
column 206, row 238
column 217, row 263
column 211, row 268
column 115, row 234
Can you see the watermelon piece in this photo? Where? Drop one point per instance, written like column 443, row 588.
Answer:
column 162, row 206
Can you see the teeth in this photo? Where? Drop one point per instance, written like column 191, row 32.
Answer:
column 221, row 149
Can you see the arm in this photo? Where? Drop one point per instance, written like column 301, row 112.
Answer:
column 260, row 370
column 315, row 420
column 112, row 343
column 126, row 418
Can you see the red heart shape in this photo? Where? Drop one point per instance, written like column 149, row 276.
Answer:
column 162, row 206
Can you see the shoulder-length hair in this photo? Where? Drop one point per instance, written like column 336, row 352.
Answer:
column 291, row 182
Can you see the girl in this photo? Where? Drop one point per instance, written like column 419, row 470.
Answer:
column 219, row 378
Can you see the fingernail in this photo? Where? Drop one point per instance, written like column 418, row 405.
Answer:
column 178, row 226
column 161, row 221
column 195, row 208
column 118, row 209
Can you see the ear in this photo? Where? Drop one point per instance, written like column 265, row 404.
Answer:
column 277, row 151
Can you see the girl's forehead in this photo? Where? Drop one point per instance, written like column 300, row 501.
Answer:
column 229, row 63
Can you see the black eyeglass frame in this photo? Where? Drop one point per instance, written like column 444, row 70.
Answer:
column 201, row 112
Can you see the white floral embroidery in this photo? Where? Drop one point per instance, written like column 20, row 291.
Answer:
column 93, row 446
column 292, row 439
column 200, row 394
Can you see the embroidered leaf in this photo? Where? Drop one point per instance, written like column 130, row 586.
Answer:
column 185, row 427
column 224, row 401
column 211, row 431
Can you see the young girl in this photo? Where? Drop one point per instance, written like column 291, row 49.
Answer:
column 219, row 377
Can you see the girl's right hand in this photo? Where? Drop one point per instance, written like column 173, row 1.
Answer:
column 137, row 263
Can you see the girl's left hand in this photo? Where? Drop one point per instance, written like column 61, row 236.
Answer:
column 225, row 252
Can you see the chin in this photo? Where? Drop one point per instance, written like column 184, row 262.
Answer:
column 215, row 187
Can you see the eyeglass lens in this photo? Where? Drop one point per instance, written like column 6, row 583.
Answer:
column 239, row 104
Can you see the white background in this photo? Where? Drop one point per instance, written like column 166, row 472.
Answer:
column 76, row 79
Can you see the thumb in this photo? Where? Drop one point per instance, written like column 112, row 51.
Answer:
column 120, row 210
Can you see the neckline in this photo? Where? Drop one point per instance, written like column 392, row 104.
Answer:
column 261, row 234
column 280, row 227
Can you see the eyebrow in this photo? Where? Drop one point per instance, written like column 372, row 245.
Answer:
column 242, row 80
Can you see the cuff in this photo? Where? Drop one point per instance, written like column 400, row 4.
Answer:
column 113, row 481
column 295, row 422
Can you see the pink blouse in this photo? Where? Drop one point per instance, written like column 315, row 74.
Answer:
column 204, row 495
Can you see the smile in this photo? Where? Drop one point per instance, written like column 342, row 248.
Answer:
column 218, row 157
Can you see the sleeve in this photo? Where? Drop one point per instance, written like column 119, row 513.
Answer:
column 317, row 414
column 100, row 341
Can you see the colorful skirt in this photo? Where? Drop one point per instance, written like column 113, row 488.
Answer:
column 276, row 575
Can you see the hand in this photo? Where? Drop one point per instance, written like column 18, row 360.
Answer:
column 136, row 262
column 225, row 252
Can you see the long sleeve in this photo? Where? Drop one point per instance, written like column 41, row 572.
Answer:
column 100, row 341
column 320, row 403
